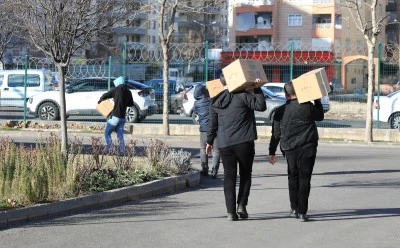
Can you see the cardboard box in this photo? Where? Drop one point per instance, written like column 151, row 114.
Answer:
column 242, row 74
column 215, row 87
column 311, row 85
column 105, row 107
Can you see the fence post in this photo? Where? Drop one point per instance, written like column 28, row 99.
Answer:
column 379, row 82
column 124, row 61
column 25, row 85
column 206, row 62
column 109, row 72
column 291, row 60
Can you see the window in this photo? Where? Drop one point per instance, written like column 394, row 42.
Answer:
column 295, row 20
column 1, row 79
column 18, row 81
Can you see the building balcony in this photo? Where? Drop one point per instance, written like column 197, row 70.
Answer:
column 322, row 25
column 254, row 9
column 254, row 32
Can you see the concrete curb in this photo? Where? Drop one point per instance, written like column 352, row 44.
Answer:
column 102, row 199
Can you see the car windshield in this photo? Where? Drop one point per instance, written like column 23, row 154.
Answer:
column 158, row 84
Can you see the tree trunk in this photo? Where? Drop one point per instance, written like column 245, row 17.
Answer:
column 63, row 124
column 164, row 46
column 371, row 80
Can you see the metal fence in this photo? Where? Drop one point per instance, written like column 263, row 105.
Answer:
column 346, row 68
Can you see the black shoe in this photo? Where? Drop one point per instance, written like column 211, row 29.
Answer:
column 214, row 176
column 242, row 212
column 294, row 214
column 304, row 217
column 232, row 217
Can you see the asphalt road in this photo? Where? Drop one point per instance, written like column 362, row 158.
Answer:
column 354, row 202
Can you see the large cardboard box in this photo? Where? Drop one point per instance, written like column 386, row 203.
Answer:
column 241, row 74
column 105, row 107
column 215, row 87
column 311, row 85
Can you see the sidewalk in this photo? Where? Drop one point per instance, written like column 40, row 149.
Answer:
column 354, row 202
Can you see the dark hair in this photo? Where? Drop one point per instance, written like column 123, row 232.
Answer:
column 222, row 79
column 289, row 89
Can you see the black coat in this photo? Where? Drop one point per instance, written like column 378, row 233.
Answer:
column 122, row 97
column 201, row 106
column 232, row 115
column 294, row 126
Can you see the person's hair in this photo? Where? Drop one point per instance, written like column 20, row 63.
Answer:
column 289, row 89
column 222, row 79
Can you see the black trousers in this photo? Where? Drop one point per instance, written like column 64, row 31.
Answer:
column 243, row 154
column 300, row 168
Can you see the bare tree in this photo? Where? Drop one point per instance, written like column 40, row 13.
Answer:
column 167, row 10
column 369, row 23
column 59, row 28
column 8, row 29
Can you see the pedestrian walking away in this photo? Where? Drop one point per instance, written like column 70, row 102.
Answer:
column 122, row 99
column 232, row 117
column 201, row 108
column 294, row 128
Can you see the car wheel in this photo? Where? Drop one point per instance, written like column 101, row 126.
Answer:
column 132, row 115
column 195, row 118
column 174, row 107
column 48, row 111
column 395, row 121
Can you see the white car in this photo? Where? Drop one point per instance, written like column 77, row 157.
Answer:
column 188, row 102
column 278, row 89
column 388, row 108
column 82, row 96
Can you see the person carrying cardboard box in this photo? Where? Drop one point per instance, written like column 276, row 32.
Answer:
column 122, row 97
column 294, row 128
column 232, row 117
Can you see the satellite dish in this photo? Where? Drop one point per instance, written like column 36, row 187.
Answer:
column 260, row 20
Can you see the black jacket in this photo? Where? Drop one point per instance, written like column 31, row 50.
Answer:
column 122, row 99
column 294, row 126
column 232, row 115
column 201, row 106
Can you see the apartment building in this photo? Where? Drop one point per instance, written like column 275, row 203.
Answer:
column 306, row 25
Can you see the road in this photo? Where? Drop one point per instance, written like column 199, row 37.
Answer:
column 354, row 202
column 17, row 114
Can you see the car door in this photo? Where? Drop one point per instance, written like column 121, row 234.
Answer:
column 81, row 97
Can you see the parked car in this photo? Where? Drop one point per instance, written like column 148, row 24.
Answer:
column 389, row 109
column 12, row 89
column 81, row 99
column 273, row 101
column 278, row 89
column 176, row 91
column 188, row 102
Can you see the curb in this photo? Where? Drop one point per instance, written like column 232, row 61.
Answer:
column 98, row 200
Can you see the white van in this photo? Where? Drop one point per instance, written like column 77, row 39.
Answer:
column 12, row 90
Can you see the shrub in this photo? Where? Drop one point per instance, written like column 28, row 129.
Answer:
column 43, row 173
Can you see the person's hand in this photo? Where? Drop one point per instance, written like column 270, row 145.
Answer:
column 209, row 149
column 272, row 159
column 258, row 80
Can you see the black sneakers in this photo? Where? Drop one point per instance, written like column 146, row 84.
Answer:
column 242, row 212
column 232, row 216
column 293, row 213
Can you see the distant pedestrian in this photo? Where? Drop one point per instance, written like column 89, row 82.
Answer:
column 295, row 129
column 122, row 97
column 232, row 117
column 201, row 108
